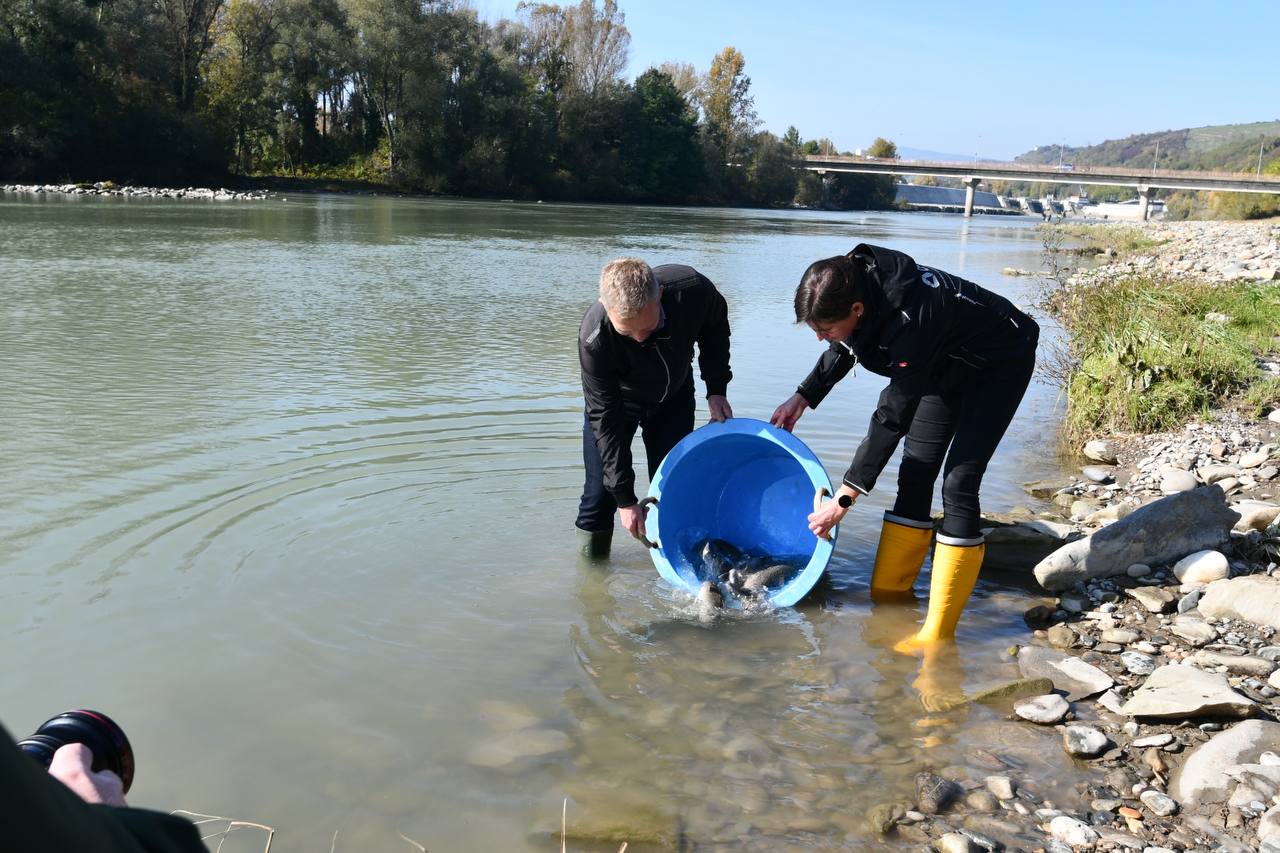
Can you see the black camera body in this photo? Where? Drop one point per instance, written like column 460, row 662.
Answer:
column 106, row 740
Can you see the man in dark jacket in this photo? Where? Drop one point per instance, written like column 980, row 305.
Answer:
column 635, row 346
column 959, row 359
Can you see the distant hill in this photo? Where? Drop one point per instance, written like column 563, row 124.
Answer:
column 1223, row 147
column 907, row 153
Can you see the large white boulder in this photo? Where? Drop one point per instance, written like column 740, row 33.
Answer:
column 1160, row 532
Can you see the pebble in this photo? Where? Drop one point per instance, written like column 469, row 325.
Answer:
column 1154, row 740
column 954, row 842
column 1068, row 830
column 1083, row 741
column 1045, row 710
column 1138, row 570
column 1000, row 786
column 1159, row 804
column 1138, row 663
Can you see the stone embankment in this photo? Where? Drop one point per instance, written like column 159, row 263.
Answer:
column 1156, row 663
column 110, row 189
column 1206, row 251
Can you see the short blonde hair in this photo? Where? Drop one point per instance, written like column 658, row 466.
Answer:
column 627, row 285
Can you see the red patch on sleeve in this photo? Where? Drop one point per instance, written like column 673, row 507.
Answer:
column 902, row 364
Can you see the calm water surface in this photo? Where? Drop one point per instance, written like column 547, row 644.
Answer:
column 289, row 490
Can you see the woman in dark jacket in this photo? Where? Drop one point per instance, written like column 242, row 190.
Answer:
column 959, row 359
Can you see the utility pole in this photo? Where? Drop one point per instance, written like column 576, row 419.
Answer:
column 1260, row 144
column 1157, row 158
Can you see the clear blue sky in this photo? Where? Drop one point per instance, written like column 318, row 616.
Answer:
column 988, row 78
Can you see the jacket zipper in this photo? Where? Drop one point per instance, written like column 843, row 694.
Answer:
column 667, row 390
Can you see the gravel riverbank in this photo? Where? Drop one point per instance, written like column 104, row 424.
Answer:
column 1156, row 658
column 109, row 189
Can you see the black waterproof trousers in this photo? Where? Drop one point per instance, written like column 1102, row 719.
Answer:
column 962, row 423
column 661, row 425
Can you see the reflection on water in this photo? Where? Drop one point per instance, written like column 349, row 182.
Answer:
column 289, row 492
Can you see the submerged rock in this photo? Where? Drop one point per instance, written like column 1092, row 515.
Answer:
column 1069, row 674
column 934, row 793
column 1009, row 691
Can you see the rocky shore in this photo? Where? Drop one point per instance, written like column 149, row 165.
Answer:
column 1208, row 251
column 1155, row 663
column 110, row 189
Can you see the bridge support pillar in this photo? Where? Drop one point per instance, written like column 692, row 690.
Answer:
column 1144, row 202
column 970, row 184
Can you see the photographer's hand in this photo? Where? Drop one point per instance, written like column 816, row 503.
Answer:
column 72, row 766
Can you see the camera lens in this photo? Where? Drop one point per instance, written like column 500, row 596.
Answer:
column 106, row 740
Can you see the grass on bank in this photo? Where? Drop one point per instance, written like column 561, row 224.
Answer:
column 1111, row 239
column 1149, row 354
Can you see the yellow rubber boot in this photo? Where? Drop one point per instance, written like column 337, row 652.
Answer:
column 955, row 572
column 899, row 557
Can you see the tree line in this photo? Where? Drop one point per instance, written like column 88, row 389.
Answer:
column 417, row 94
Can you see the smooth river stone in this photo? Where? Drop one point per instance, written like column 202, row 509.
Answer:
column 1096, row 473
column 1202, row 567
column 1239, row 664
column 1069, row 674
column 1173, row 481
column 1162, row 531
column 1071, row 831
column 1254, row 598
column 1138, row 663
column 1181, row 692
column 1084, row 741
column 1159, row 804
column 1195, row 631
column 1202, row 780
column 1045, row 710
column 1101, row 450
column 1123, row 636
column 1155, row 599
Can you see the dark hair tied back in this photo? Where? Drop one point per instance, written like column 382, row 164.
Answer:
column 828, row 289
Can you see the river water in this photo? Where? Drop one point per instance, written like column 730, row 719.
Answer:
column 289, row 490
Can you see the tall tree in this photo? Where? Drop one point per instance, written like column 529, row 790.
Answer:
column 187, row 33
column 660, row 149
column 727, row 104
column 685, row 78
column 545, row 45
column 393, row 68
column 598, row 41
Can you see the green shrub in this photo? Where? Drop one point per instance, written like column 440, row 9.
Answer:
column 1146, row 358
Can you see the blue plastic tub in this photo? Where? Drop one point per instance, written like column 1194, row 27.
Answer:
column 743, row 481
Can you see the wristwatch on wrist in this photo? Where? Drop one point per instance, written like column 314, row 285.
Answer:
column 845, row 501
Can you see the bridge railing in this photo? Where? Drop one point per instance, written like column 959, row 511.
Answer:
column 1041, row 168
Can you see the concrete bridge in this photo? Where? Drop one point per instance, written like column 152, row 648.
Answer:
column 971, row 174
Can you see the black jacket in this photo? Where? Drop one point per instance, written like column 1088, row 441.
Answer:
column 616, row 368
column 928, row 331
column 38, row 813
